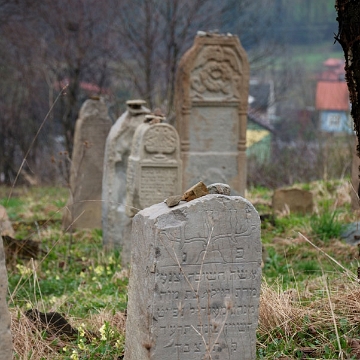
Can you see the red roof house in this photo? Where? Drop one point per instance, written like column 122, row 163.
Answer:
column 332, row 95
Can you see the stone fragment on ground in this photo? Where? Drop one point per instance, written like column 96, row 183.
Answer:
column 293, row 201
column 5, row 224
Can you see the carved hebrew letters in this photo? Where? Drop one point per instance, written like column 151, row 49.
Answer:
column 204, row 273
column 154, row 169
column 211, row 111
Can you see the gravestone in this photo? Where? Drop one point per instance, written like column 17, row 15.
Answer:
column 195, row 281
column 84, row 204
column 5, row 224
column 117, row 151
column 211, row 96
column 154, row 170
column 5, row 322
column 293, row 200
column 153, row 174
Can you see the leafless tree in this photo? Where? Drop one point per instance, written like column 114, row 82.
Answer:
column 349, row 38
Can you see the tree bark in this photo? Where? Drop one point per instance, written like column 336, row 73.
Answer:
column 349, row 38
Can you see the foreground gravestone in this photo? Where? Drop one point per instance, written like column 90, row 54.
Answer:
column 211, row 97
column 5, row 334
column 117, row 151
column 84, row 205
column 293, row 200
column 195, row 281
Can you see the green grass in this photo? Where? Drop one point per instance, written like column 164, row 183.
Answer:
column 76, row 278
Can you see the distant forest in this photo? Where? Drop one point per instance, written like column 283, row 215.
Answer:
column 57, row 53
column 298, row 22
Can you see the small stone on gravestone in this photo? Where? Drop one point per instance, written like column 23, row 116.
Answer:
column 115, row 223
column 5, row 321
column 172, row 201
column 219, row 188
column 5, row 224
column 295, row 200
column 195, row 192
column 195, row 281
column 84, row 205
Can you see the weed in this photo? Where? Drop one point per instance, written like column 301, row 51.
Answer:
column 326, row 226
column 89, row 286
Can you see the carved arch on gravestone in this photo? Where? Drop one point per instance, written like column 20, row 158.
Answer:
column 215, row 64
column 217, row 73
column 160, row 140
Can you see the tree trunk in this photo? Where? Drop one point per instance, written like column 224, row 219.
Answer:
column 349, row 38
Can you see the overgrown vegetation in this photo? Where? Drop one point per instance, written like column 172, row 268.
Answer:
column 310, row 301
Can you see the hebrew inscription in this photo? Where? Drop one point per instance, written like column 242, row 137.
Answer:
column 211, row 111
column 154, row 168
column 206, row 272
column 155, row 182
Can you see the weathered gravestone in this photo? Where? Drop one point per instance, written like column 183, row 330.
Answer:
column 117, row 151
column 5, row 224
column 195, row 281
column 211, row 97
column 154, row 170
column 84, row 204
column 153, row 174
column 293, row 200
column 5, row 334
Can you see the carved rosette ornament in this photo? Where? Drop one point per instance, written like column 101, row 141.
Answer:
column 160, row 140
column 218, row 72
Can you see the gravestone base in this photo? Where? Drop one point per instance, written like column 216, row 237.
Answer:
column 195, row 281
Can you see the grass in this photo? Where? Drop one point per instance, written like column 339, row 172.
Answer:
column 310, row 306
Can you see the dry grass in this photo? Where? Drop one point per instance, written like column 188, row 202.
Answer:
column 30, row 343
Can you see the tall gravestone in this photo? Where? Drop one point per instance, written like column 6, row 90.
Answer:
column 5, row 334
column 195, row 281
column 154, row 171
column 211, row 98
column 117, row 152
column 84, row 205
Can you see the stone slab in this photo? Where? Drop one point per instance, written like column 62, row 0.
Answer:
column 117, row 152
column 5, row 224
column 195, row 281
column 211, row 96
column 5, row 322
column 154, row 170
column 84, row 204
column 296, row 200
